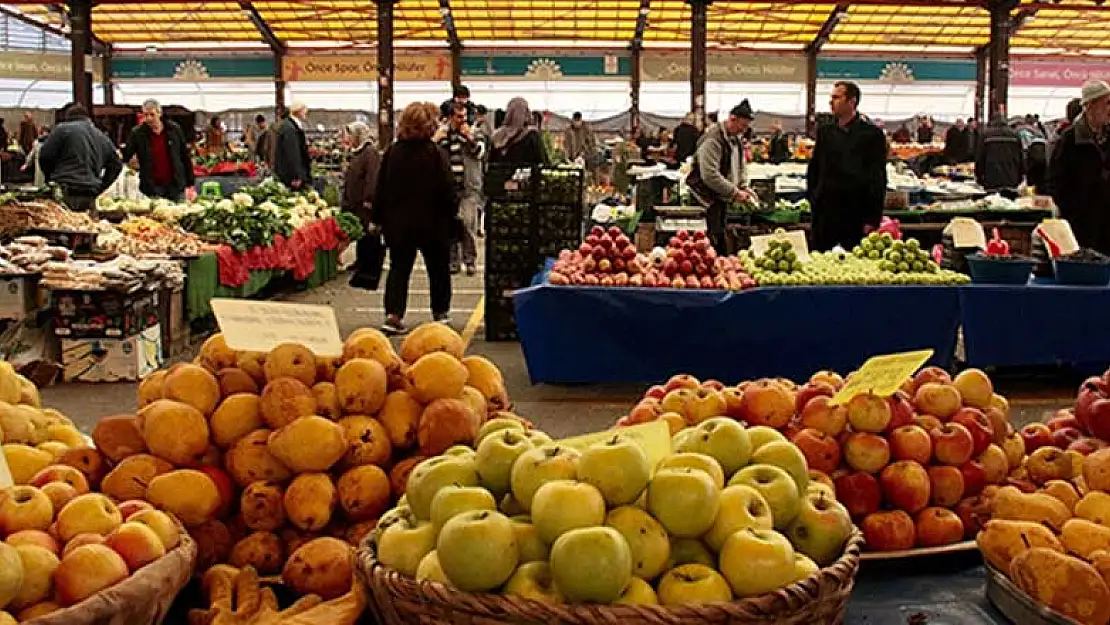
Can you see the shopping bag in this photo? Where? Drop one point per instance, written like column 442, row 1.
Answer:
column 370, row 258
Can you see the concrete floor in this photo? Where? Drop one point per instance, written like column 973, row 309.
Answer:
column 561, row 411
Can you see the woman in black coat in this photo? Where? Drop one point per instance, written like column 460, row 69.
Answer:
column 517, row 141
column 417, row 209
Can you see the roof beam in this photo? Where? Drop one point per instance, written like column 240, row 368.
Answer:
column 641, row 24
column 449, row 24
column 268, row 36
column 99, row 46
column 825, row 32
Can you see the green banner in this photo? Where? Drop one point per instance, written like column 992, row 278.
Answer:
column 534, row 67
column 191, row 69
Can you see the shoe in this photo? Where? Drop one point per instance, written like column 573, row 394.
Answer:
column 444, row 318
column 455, row 270
column 393, row 328
column 471, row 270
column 362, row 281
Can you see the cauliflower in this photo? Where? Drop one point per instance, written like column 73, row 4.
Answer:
column 242, row 200
column 225, row 205
column 268, row 206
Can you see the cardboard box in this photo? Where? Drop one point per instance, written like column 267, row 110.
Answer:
column 112, row 360
column 17, row 296
column 175, row 327
column 103, row 314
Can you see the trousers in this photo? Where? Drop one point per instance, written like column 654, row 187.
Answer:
column 465, row 250
column 402, row 257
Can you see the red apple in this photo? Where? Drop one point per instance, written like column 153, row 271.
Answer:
column 1087, row 446
column 767, row 402
column 906, row 486
column 681, row 381
column 656, row 392
column 947, row 485
column 866, row 452
column 1036, row 435
column 645, row 412
column 1092, row 391
column 975, row 477
column 809, row 391
column 901, row 411
column 889, row 531
column 978, row 425
column 734, row 402
column 911, row 442
column 820, row 414
column 713, row 385
column 952, row 444
column 859, row 492
column 822, row 451
column 937, row 527
column 927, row 422
column 224, row 486
column 973, row 513
column 1064, row 437
column 931, row 374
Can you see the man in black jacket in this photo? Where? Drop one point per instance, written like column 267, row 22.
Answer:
column 846, row 179
column 291, row 163
column 80, row 159
column 1000, row 159
column 686, row 137
column 165, row 166
column 1079, row 170
column 957, row 143
column 460, row 94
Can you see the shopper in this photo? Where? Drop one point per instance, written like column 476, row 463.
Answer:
column 685, row 139
column 957, row 146
column 778, row 146
column 517, row 141
column 416, row 207
column 464, row 150
column 33, row 158
column 254, row 137
column 1079, row 172
column 360, row 183
column 1074, row 109
column 846, row 179
column 4, row 138
column 80, row 159
column 925, row 130
column 1034, row 145
column 902, row 135
column 973, row 136
column 999, row 159
column 718, row 176
column 28, row 133
column 159, row 145
column 459, row 95
column 214, row 137
column 579, row 142
column 291, row 163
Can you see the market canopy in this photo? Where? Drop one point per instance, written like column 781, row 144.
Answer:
column 1071, row 26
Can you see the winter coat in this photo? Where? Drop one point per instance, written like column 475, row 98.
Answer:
column 526, row 150
column 79, row 158
column 1000, row 159
column 846, row 182
column 957, row 145
column 1079, row 181
column 713, row 166
column 415, row 201
column 138, row 145
column 579, row 141
column 685, row 141
column 27, row 135
column 291, row 160
column 360, row 182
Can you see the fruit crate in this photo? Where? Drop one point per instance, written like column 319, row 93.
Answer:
column 510, row 184
column 509, row 220
column 560, row 185
column 500, row 321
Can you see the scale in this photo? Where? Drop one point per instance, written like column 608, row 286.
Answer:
column 671, row 219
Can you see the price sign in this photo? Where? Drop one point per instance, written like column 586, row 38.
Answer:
column 1059, row 232
column 262, row 326
column 966, row 232
column 797, row 238
column 5, row 473
column 882, row 375
column 654, row 438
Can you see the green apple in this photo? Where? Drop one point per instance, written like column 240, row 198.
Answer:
column 638, row 592
column 532, row 580
column 760, row 435
column 453, row 500
column 433, row 474
column 684, row 500
column 528, row 541
column 803, row 567
column 821, row 528
column 618, row 467
column 429, row 570
column 404, row 544
column 680, row 437
column 391, row 516
column 787, row 456
column 722, row 439
column 646, row 538
column 776, row 486
column 820, row 487
column 496, row 425
column 496, row 455
column 541, row 465
column 693, row 583
column 741, row 507
column 477, row 550
column 539, row 438
column 701, row 462
column 757, row 561
column 563, row 505
column 689, row 551
column 462, row 451
column 591, row 565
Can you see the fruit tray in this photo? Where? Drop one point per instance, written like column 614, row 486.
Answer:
column 1012, row 270
column 1018, row 606
column 874, row 556
column 1082, row 273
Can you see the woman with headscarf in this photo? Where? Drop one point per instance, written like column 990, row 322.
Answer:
column 517, row 141
column 359, row 184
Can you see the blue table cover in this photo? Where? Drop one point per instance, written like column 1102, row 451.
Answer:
column 575, row 335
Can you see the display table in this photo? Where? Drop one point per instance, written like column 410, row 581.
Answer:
column 203, row 283
column 946, row 589
column 598, row 335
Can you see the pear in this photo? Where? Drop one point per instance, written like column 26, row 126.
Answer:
column 310, row 501
column 309, row 444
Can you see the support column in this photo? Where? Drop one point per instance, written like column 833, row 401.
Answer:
column 385, row 72
column 699, row 12
column 456, row 65
column 811, row 93
column 279, row 86
column 634, row 91
column 999, row 75
column 106, row 81
column 80, row 29
column 980, row 81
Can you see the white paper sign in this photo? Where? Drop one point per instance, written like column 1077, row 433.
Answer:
column 797, row 238
column 261, row 326
column 1060, row 232
column 966, row 232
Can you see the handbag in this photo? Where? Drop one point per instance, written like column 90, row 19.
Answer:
column 369, row 261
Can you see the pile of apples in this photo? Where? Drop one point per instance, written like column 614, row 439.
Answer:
column 732, row 514
column 1085, row 428
column 687, row 262
column 909, row 467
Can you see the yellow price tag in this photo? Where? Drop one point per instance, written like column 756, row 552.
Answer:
column 654, row 438
column 882, row 375
column 5, row 473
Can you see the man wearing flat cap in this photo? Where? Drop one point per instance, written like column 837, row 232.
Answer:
column 718, row 175
column 1079, row 171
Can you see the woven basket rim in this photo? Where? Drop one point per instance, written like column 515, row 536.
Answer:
column 827, row 584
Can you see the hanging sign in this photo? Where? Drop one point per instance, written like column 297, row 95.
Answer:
column 723, row 67
column 407, row 66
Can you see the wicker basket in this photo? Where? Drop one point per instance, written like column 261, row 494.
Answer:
column 398, row 600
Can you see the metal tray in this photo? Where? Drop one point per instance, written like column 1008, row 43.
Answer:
column 967, row 545
column 1017, row 606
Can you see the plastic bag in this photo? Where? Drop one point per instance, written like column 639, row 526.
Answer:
column 236, row 597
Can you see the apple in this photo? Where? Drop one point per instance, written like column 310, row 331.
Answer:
column 911, row 442
column 656, row 392
column 705, row 404
column 681, row 381
column 889, row 531
column 1087, row 446
column 715, row 385
column 821, row 528
column 906, row 486
column 477, row 550
column 689, row 551
column 928, row 375
column 1035, row 436
column 562, row 505
column 24, row 507
column 532, row 580
column 977, row 423
column 675, row 422
column 722, row 439
column 691, row 584
column 767, row 402
column 756, row 562
column 647, row 540
column 453, row 500
column 786, row 456
column 946, row 485
column 760, row 435
column 901, row 410
column 1092, row 407
column 820, row 414
column 591, row 565
column 975, row 477
column 804, row 567
column 540, row 465
column 975, row 388
column 741, row 507
column 136, row 543
column 529, row 544
column 1000, row 424
column 734, row 402
column 821, row 451
column 430, row 570
column 1064, row 437
column 87, row 570
column 701, row 462
column 818, row 479
column 973, row 514
column 59, row 494
column 1049, row 463
column 868, row 413
column 952, row 444
column 132, row 506
column 1065, row 419
column 646, row 411
column 684, row 500
column 495, row 457
column 61, row 473
column 161, row 523
column 778, row 488
column 942, row 400
column 33, row 537
column 617, row 467
column 927, row 422
column 38, row 567
column 937, row 527
column 995, row 464
column 81, row 539
column 403, row 544
column 1014, row 446
column 866, row 452
column 831, row 378
column 809, row 391
column 677, row 401
column 428, row 477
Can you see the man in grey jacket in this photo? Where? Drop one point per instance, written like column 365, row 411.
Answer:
column 718, row 176
column 80, row 159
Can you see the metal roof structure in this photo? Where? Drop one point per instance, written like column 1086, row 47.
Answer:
column 944, row 26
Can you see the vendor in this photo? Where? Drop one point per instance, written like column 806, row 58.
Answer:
column 718, row 176
column 162, row 150
column 1079, row 170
